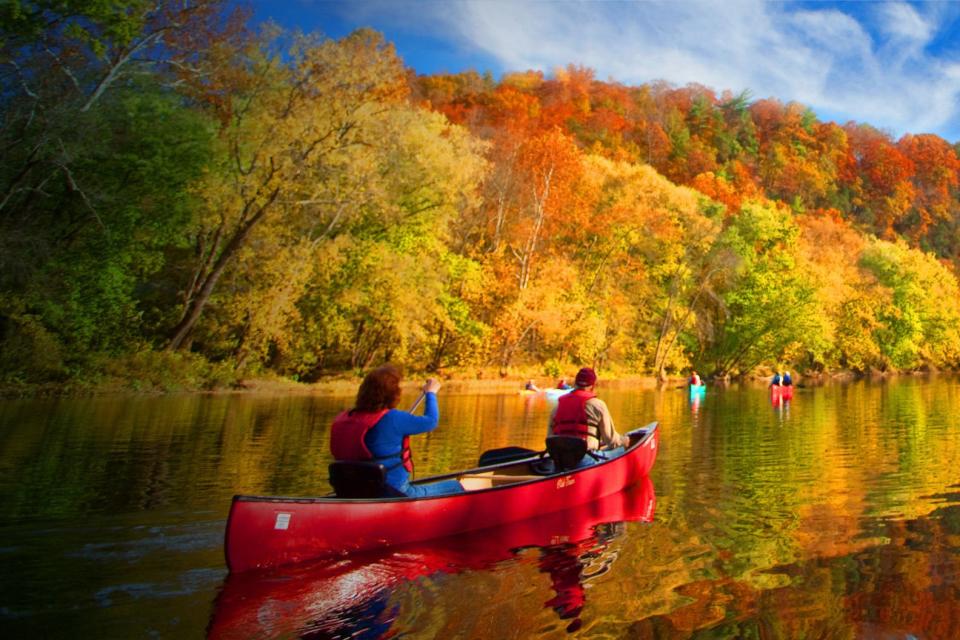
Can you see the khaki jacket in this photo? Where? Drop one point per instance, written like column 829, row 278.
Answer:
column 598, row 412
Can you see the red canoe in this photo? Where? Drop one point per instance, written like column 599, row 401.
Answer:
column 324, row 598
column 781, row 392
column 266, row 532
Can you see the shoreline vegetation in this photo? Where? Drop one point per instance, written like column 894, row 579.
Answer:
column 475, row 381
column 189, row 201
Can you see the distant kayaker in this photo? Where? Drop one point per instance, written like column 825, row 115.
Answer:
column 695, row 379
column 375, row 430
column 787, row 381
column 777, row 380
column 531, row 386
column 581, row 413
column 563, row 385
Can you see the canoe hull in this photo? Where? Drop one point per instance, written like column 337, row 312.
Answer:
column 296, row 600
column 781, row 392
column 264, row 532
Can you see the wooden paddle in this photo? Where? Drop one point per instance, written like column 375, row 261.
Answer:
column 413, row 408
column 417, row 403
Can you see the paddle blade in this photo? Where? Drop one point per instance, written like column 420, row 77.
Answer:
column 505, row 454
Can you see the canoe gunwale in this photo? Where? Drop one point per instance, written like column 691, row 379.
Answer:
column 648, row 433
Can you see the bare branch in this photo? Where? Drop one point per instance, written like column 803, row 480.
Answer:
column 63, row 67
column 23, row 80
column 114, row 72
column 28, row 164
column 75, row 187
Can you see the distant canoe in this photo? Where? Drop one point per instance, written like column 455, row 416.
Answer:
column 779, row 392
column 270, row 531
column 698, row 389
column 556, row 393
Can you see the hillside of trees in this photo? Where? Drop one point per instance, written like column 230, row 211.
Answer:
column 182, row 195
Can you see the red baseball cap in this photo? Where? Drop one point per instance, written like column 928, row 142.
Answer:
column 586, row 377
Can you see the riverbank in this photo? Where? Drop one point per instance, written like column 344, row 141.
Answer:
column 472, row 381
column 452, row 384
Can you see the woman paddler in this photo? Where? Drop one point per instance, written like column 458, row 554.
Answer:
column 375, row 430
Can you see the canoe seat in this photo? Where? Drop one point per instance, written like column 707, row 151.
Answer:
column 505, row 454
column 359, row 480
column 566, row 451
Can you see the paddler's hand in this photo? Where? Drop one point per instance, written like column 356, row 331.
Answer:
column 431, row 386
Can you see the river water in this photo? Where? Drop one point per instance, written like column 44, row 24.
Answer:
column 835, row 515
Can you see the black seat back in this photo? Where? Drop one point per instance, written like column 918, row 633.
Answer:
column 505, row 454
column 566, row 451
column 359, row 479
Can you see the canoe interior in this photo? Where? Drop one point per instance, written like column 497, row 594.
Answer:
column 534, row 468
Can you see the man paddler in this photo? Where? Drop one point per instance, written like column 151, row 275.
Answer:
column 582, row 414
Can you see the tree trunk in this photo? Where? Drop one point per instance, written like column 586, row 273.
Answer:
column 195, row 307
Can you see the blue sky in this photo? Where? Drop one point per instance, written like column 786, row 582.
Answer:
column 895, row 65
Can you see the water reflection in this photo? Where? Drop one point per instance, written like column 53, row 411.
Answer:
column 696, row 397
column 782, row 408
column 840, row 524
column 353, row 597
column 903, row 587
column 571, row 565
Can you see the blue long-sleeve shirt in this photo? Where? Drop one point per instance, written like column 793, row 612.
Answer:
column 386, row 437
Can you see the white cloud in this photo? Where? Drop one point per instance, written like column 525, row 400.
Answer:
column 873, row 69
column 901, row 22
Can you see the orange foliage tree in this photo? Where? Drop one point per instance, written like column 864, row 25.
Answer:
column 885, row 173
column 935, row 180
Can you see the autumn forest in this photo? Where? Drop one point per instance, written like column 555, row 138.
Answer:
column 183, row 197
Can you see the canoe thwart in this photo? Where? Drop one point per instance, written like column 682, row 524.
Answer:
column 499, row 477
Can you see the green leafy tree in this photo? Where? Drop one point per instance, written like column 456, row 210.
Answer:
column 920, row 324
column 80, row 264
column 290, row 130
column 98, row 153
column 349, row 261
column 767, row 305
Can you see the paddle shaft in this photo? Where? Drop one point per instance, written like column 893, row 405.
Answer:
column 417, row 403
column 414, row 408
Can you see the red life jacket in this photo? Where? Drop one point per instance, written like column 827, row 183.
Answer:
column 571, row 416
column 348, row 440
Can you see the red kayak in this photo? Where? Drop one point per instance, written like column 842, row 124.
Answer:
column 335, row 598
column 266, row 532
column 781, row 392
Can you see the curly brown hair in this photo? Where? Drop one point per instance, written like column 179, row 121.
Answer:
column 379, row 390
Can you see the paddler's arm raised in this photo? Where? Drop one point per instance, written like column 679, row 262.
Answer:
column 411, row 424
